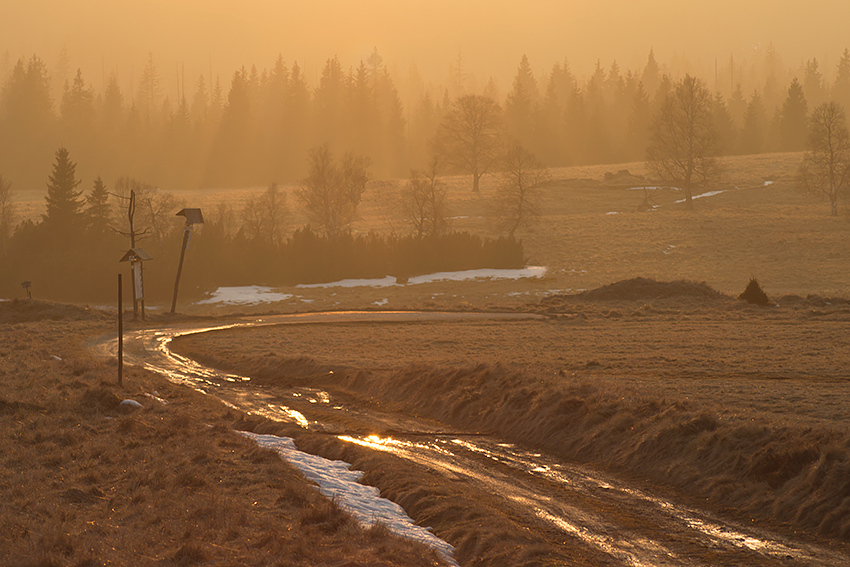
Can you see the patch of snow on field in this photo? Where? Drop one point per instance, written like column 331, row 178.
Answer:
column 701, row 195
column 529, row 272
column 384, row 301
column 245, row 295
column 337, row 481
column 766, row 183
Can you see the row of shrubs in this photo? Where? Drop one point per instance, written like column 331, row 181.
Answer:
column 308, row 257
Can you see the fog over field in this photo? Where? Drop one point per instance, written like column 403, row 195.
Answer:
column 566, row 282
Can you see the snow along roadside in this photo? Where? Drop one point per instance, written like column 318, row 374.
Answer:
column 337, row 481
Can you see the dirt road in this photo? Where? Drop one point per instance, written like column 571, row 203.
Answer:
column 581, row 516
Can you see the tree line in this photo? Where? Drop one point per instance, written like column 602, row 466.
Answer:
column 258, row 125
column 73, row 250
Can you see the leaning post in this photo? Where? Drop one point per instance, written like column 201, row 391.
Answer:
column 193, row 216
column 120, row 334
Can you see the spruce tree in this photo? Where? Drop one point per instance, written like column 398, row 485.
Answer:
column 793, row 122
column 755, row 125
column 64, row 203
column 97, row 207
column 841, row 86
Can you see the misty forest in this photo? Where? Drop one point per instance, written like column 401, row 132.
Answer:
column 269, row 127
column 451, row 283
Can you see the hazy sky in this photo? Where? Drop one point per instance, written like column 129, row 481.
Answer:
column 491, row 34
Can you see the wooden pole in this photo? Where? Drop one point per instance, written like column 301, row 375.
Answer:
column 120, row 334
column 180, row 266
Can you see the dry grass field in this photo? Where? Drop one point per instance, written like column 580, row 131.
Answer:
column 85, row 483
column 744, row 408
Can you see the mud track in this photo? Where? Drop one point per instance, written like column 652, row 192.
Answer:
column 581, row 515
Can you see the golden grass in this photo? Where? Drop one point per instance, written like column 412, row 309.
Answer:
column 745, row 407
column 85, row 484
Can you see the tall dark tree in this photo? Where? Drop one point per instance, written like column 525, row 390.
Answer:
column 724, row 125
column 520, row 105
column 793, row 119
column 26, row 122
column 651, row 76
column 738, row 107
column 637, row 133
column 64, row 203
column 755, row 126
column 97, row 210
column 841, row 86
column 7, row 214
column 813, row 85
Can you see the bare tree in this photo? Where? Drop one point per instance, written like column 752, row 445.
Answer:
column 224, row 221
column 331, row 192
column 155, row 209
column 826, row 164
column 252, row 218
column 264, row 216
column 683, row 145
column 275, row 213
column 470, row 136
column 517, row 199
column 424, row 202
column 7, row 213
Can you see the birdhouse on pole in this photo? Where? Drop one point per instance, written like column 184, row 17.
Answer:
column 136, row 256
column 193, row 217
column 27, row 285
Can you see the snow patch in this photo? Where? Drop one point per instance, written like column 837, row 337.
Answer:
column 529, row 272
column 336, row 480
column 766, row 183
column 701, row 195
column 245, row 295
column 384, row 301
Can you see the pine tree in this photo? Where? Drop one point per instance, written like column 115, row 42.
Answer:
column 737, row 106
column 813, row 86
column 651, row 74
column 64, row 203
column 637, row 134
column 724, row 125
column 520, row 105
column 755, row 126
column 793, row 121
column 841, row 86
column 97, row 207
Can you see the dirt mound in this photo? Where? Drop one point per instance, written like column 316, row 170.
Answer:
column 30, row 310
column 643, row 289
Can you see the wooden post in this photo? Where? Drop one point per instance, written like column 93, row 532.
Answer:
column 186, row 232
column 120, row 334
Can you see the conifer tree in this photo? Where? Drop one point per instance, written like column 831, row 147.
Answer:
column 724, row 125
column 97, row 207
column 841, row 86
column 64, row 202
column 755, row 126
column 793, row 121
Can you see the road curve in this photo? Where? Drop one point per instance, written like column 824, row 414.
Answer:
column 621, row 524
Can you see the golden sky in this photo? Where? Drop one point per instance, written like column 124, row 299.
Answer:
column 492, row 35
